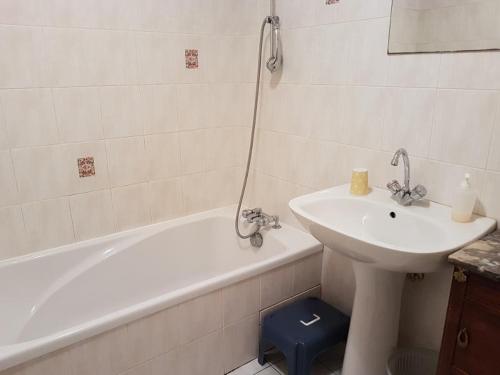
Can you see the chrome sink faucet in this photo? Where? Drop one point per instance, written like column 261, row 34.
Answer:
column 405, row 195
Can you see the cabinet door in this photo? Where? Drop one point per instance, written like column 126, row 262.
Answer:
column 477, row 351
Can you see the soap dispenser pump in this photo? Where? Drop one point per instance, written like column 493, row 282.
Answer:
column 463, row 201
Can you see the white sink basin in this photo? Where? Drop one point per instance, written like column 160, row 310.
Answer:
column 385, row 241
column 375, row 229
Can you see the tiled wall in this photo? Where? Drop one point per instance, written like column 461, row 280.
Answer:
column 342, row 102
column 209, row 335
column 109, row 80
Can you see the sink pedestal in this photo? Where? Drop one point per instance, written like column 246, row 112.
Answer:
column 374, row 327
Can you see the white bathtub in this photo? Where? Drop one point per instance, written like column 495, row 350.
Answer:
column 58, row 297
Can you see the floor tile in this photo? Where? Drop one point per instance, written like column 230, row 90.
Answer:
column 251, row 368
column 268, row 371
column 328, row 363
column 318, row 369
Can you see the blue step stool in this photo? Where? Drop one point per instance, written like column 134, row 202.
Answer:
column 302, row 331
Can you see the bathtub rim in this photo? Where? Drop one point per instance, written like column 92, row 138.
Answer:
column 301, row 245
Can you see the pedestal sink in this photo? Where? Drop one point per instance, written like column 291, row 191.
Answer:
column 385, row 241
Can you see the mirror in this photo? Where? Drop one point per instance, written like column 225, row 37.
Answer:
column 444, row 26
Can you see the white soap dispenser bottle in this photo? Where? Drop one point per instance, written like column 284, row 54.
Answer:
column 463, row 201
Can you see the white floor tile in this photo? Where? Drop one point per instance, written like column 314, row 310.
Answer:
column 251, row 368
column 318, row 369
column 328, row 363
column 268, row 371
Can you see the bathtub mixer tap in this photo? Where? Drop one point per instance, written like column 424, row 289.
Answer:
column 404, row 195
column 257, row 216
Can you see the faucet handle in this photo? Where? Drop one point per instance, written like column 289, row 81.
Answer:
column 246, row 213
column 276, row 220
column 254, row 211
column 394, row 186
column 418, row 192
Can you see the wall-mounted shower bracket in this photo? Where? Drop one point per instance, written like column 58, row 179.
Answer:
column 276, row 58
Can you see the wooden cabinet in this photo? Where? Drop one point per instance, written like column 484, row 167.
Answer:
column 471, row 339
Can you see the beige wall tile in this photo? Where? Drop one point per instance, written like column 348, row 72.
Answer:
column 158, row 108
column 39, row 173
column 120, row 111
column 339, row 39
column 363, row 116
column 52, row 171
column 489, row 204
column 193, row 147
column 78, row 114
column 241, row 300
column 478, row 70
column 8, row 185
column 68, row 163
column 463, row 126
column 193, row 193
column 142, row 369
column 112, row 58
column 156, row 58
column 169, row 363
column 276, row 286
column 241, row 342
column 222, row 148
column 153, row 335
column 201, row 95
column 369, row 58
column 338, row 282
column 92, row 214
column 223, row 186
column 29, row 117
column 307, row 273
column 28, row 14
column 13, row 239
column 4, row 142
column 48, row 223
column 203, row 356
column 408, row 120
column 56, row 363
column 65, row 56
column 414, row 70
column 165, row 199
column 164, row 155
column 131, row 206
column 494, row 154
column 91, row 357
column 20, row 59
column 203, row 315
column 314, row 292
column 118, row 347
column 127, row 160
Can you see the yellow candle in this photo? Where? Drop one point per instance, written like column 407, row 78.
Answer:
column 359, row 181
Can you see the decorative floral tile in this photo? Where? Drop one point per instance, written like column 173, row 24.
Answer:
column 191, row 58
column 86, row 167
column 331, row 2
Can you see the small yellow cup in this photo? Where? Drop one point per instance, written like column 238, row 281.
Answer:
column 359, row 181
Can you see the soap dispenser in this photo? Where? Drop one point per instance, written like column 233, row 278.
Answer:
column 463, row 201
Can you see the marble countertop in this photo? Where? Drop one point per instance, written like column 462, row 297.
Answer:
column 481, row 257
